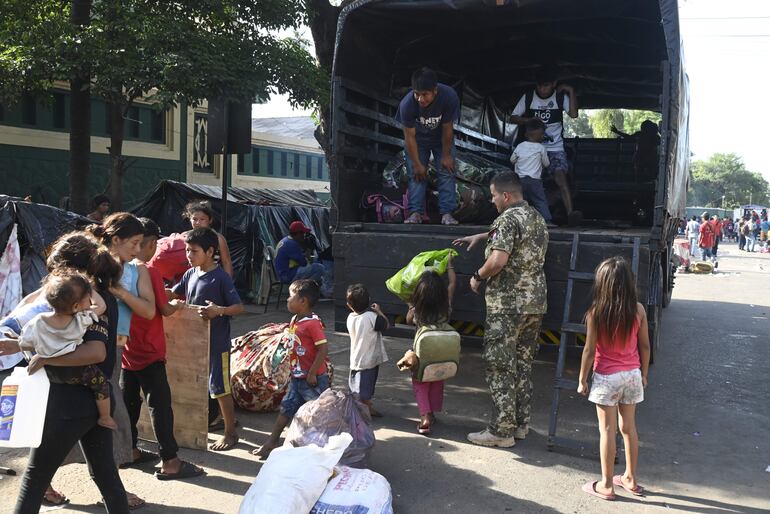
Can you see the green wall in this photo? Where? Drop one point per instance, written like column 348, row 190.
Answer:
column 42, row 172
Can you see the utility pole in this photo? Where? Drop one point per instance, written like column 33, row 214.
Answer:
column 80, row 126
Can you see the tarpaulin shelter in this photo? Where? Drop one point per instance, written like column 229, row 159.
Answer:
column 255, row 217
column 39, row 226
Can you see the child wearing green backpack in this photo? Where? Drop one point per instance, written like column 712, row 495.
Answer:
column 436, row 350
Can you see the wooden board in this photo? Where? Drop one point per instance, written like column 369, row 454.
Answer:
column 187, row 366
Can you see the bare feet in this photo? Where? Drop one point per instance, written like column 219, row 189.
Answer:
column 107, row 422
column 226, row 442
column 264, row 451
column 134, row 502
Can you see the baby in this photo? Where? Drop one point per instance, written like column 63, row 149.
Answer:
column 57, row 333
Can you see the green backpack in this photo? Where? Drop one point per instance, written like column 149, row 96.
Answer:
column 438, row 348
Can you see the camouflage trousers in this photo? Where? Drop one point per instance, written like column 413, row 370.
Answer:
column 510, row 345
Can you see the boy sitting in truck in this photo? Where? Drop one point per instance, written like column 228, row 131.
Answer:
column 529, row 159
column 428, row 113
column 546, row 102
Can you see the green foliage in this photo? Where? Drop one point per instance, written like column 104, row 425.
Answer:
column 182, row 51
column 725, row 174
column 628, row 121
column 578, row 127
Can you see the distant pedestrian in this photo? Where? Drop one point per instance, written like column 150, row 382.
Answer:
column 706, row 239
column 716, row 223
column 101, row 206
column 618, row 348
column 751, row 238
column 765, row 228
column 743, row 230
column 693, row 227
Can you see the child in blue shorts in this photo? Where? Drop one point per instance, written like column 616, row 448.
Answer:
column 307, row 357
column 207, row 285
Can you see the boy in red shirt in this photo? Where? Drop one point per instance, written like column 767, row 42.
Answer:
column 307, row 358
column 144, row 371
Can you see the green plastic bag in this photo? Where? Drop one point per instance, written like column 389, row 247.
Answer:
column 403, row 283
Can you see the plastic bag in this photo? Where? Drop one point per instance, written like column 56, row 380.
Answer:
column 332, row 413
column 292, row 479
column 355, row 491
column 403, row 283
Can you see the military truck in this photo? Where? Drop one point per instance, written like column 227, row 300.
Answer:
column 616, row 55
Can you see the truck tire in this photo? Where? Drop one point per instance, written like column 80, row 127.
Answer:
column 653, row 327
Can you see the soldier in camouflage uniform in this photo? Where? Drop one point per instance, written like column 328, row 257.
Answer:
column 516, row 302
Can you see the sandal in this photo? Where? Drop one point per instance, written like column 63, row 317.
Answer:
column 186, row 470
column 423, row 429
column 53, row 498
column 636, row 491
column 144, row 456
column 590, row 488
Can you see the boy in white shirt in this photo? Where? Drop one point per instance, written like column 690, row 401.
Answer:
column 367, row 351
column 530, row 157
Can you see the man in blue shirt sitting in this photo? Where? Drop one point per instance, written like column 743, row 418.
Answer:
column 290, row 261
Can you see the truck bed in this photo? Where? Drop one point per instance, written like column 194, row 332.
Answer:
column 371, row 253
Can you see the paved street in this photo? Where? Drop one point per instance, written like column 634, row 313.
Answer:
column 704, row 427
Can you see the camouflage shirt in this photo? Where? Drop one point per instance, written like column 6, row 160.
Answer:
column 520, row 287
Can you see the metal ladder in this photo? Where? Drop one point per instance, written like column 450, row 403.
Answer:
column 569, row 332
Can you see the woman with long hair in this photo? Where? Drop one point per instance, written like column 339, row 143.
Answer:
column 122, row 233
column 71, row 414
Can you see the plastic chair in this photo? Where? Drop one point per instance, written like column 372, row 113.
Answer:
column 269, row 256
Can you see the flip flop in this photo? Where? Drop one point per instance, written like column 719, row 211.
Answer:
column 135, row 506
column 590, row 488
column 186, row 470
column 144, row 456
column 637, row 491
column 60, row 499
column 422, row 429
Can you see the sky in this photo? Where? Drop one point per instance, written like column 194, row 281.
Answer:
column 727, row 52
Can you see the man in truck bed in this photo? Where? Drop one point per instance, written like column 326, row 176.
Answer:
column 428, row 113
column 546, row 102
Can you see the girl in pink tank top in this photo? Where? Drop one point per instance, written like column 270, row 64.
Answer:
column 618, row 350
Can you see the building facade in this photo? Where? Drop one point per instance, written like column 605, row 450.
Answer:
column 159, row 145
column 284, row 155
column 34, row 148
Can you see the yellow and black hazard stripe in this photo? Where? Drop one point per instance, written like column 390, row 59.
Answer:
column 552, row 338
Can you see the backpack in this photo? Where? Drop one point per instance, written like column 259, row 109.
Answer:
column 528, row 113
column 745, row 229
column 387, row 210
column 170, row 259
column 438, row 348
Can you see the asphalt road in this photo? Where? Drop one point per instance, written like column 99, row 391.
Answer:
column 704, row 426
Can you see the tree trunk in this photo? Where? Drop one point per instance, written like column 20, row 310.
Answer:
column 117, row 161
column 323, row 26
column 80, row 126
